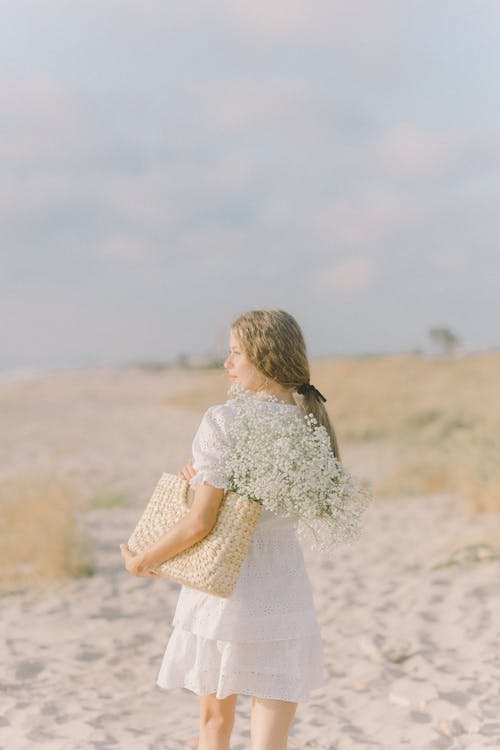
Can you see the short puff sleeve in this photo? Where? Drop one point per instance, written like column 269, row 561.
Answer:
column 210, row 444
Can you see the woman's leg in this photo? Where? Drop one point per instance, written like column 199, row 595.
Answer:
column 216, row 721
column 270, row 722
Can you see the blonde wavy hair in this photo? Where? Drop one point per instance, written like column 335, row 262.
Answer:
column 274, row 343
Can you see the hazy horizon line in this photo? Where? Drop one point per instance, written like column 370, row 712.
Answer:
column 203, row 361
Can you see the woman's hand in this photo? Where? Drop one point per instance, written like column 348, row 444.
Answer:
column 188, row 471
column 134, row 564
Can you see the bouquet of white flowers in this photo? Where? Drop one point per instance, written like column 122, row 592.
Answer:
column 284, row 461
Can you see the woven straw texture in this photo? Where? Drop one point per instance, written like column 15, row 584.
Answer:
column 212, row 564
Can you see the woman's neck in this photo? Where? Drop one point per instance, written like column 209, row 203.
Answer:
column 274, row 389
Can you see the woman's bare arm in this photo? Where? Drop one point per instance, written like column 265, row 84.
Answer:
column 192, row 527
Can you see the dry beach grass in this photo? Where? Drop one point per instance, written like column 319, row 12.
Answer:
column 409, row 616
column 440, row 418
column 39, row 534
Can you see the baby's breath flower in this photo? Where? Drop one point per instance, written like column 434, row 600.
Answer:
column 284, row 461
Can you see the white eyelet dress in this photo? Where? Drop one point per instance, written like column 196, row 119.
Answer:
column 263, row 640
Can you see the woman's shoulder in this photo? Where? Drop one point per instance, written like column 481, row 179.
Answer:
column 220, row 411
column 214, row 429
column 218, row 415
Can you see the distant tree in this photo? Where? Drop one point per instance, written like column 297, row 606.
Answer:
column 219, row 350
column 215, row 363
column 445, row 340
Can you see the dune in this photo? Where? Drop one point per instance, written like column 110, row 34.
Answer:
column 409, row 615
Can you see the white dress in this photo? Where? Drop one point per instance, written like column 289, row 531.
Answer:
column 263, row 640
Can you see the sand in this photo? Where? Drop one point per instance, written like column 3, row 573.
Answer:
column 412, row 648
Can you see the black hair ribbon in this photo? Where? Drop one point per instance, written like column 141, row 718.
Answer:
column 309, row 388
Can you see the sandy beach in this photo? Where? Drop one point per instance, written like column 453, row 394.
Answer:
column 409, row 616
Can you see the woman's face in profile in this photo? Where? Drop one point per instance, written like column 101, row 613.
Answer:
column 240, row 368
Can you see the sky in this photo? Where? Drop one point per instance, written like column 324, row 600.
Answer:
column 167, row 166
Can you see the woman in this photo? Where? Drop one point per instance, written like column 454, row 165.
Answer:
column 263, row 640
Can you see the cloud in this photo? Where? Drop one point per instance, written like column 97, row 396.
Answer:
column 281, row 110
column 367, row 36
column 450, row 260
column 411, row 151
column 347, row 276
column 371, row 221
column 44, row 123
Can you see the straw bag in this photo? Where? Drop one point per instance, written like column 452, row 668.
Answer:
column 212, row 564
